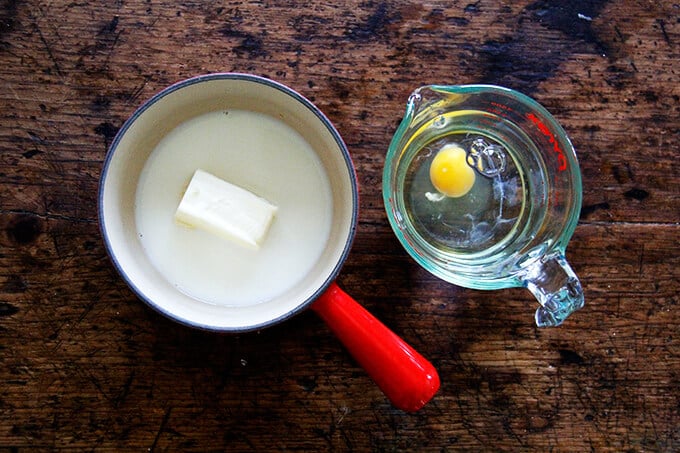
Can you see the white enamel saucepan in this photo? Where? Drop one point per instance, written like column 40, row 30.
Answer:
column 406, row 378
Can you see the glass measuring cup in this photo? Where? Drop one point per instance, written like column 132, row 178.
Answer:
column 509, row 226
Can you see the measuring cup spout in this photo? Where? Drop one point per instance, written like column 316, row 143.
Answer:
column 558, row 290
column 429, row 99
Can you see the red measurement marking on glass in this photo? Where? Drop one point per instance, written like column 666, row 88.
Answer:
column 500, row 109
column 551, row 137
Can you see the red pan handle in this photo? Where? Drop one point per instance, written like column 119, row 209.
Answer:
column 405, row 377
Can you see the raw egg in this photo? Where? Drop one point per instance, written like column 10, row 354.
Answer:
column 449, row 172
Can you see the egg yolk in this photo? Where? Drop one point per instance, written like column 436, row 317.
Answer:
column 449, row 172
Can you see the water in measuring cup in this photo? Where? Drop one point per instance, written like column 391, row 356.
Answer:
column 490, row 214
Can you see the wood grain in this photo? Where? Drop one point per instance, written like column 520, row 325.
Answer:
column 85, row 365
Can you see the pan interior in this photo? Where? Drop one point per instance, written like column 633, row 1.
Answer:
column 161, row 116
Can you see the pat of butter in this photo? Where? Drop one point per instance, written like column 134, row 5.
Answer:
column 225, row 210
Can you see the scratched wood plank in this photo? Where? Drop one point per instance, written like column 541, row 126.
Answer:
column 84, row 364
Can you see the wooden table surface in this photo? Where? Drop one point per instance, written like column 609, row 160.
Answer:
column 85, row 364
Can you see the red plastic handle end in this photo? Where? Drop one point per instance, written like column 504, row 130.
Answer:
column 407, row 379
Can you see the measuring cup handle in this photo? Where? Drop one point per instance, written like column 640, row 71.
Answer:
column 404, row 376
column 557, row 288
